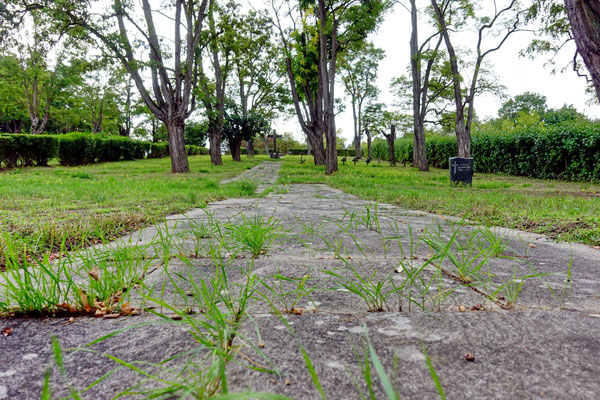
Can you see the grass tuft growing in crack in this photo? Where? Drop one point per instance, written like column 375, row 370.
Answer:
column 254, row 234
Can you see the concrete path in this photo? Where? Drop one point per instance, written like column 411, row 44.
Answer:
column 265, row 174
column 539, row 338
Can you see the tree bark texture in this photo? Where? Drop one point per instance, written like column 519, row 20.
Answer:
column 419, row 94
column 235, row 145
column 179, row 161
column 214, row 140
column 368, row 133
column 584, row 18
column 391, row 137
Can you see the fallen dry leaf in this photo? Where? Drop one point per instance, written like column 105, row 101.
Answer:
column 176, row 317
column 6, row 331
column 462, row 308
column 128, row 309
column 532, row 245
column 71, row 320
column 470, row 357
column 477, row 307
column 261, row 345
column 296, row 311
column 84, row 301
column 597, row 247
column 287, row 382
column 429, row 255
column 95, row 273
column 111, row 316
column 67, row 307
column 99, row 313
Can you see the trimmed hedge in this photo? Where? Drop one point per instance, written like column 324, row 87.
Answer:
column 569, row 151
column 27, row 149
column 192, row 150
column 78, row 149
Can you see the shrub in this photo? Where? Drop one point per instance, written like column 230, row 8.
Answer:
column 158, row 150
column 27, row 149
column 77, row 149
column 568, row 151
column 195, row 150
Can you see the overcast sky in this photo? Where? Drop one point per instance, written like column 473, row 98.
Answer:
column 516, row 73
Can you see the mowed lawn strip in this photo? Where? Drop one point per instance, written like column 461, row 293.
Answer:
column 563, row 210
column 41, row 207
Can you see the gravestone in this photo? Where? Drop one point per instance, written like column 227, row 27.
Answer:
column 461, row 171
column 274, row 136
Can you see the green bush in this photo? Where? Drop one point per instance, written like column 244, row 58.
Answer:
column 27, row 150
column 77, row 149
column 158, row 150
column 192, row 150
column 568, row 151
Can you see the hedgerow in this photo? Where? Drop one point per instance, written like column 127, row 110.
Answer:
column 568, row 151
column 79, row 149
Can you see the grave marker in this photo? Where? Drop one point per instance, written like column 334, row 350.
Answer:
column 461, row 171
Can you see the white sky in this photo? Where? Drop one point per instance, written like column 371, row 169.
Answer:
column 516, row 73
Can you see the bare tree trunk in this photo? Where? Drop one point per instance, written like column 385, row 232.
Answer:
column 463, row 137
column 356, row 130
column 584, row 18
column 214, row 139
column 250, row 148
column 419, row 150
column 235, row 145
column 179, row 161
column 390, row 140
column 368, row 133
column 318, row 150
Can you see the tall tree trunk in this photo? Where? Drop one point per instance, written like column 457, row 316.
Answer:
column 463, row 136
column 390, row 140
column 326, row 74
column 356, row 130
column 179, row 160
column 419, row 150
column 235, row 145
column 250, row 148
column 318, row 149
column 214, row 139
column 368, row 133
column 584, row 18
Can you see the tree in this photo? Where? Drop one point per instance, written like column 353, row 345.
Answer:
column 584, row 18
column 12, row 113
column 458, row 12
column 256, row 70
column 220, row 48
column 328, row 27
column 358, row 71
column 196, row 133
column 240, row 127
column 420, row 52
column 527, row 102
column 128, row 33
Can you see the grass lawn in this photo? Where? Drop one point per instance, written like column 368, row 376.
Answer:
column 41, row 207
column 562, row 210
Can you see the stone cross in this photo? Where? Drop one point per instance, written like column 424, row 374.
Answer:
column 274, row 136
